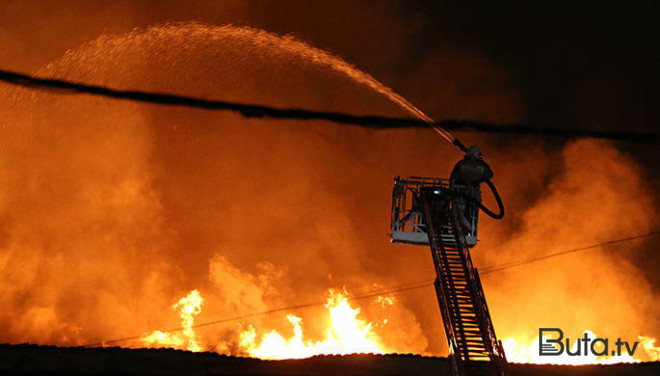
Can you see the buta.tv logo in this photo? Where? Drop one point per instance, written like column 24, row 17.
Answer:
column 552, row 343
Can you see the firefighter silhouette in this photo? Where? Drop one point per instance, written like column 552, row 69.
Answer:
column 468, row 174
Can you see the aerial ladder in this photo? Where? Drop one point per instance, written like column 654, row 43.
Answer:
column 443, row 214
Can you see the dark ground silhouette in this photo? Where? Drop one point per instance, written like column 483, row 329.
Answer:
column 51, row 360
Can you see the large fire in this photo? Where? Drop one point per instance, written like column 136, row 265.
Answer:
column 107, row 208
column 346, row 333
column 189, row 306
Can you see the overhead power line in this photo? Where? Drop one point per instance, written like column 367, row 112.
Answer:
column 551, row 255
column 260, row 111
column 371, row 294
column 394, row 289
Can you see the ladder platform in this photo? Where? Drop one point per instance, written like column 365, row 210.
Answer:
column 425, row 211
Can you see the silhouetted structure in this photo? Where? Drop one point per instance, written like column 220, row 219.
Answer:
column 443, row 214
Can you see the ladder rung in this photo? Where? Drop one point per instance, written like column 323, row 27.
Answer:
column 463, row 298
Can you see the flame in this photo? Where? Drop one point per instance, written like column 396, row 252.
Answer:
column 521, row 351
column 652, row 351
column 347, row 333
column 163, row 339
column 189, row 306
column 386, row 301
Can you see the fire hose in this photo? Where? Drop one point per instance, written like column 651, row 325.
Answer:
column 500, row 204
column 456, row 142
column 498, row 199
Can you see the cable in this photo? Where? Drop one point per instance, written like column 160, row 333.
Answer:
column 404, row 287
column 367, row 121
column 551, row 255
column 399, row 288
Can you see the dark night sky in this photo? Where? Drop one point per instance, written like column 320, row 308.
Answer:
column 586, row 64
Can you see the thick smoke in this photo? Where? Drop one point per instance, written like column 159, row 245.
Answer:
column 598, row 195
column 111, row 211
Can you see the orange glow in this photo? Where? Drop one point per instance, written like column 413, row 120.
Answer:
column 386, row 301
column 256, row 215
